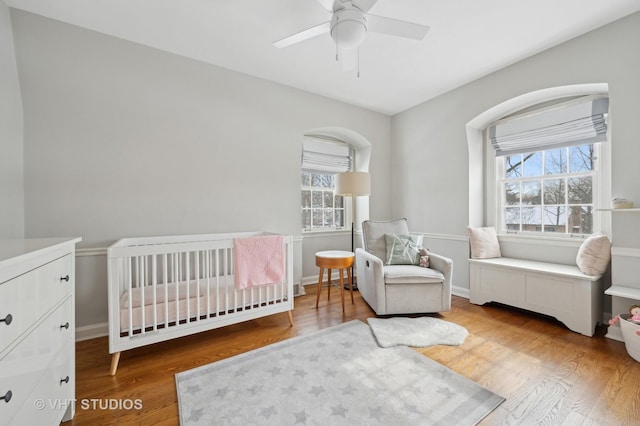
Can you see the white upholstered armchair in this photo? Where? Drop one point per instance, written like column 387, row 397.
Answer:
column 400, row 288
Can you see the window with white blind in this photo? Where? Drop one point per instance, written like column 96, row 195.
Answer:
column 321, row 160
column 547, row 167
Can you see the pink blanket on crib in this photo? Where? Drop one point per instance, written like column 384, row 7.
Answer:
column 259, row 260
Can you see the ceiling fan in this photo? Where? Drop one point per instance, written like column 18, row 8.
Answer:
column 349, row 24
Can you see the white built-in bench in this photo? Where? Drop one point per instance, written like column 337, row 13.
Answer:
column 561, row 291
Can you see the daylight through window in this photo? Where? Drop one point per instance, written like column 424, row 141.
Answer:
column 549, row 191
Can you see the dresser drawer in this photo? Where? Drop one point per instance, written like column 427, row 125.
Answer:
column 51, row 397
column 23, row 367
column 27, row 297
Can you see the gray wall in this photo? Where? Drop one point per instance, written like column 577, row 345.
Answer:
column 11, row 163
column 435, row 199
column 123, row 140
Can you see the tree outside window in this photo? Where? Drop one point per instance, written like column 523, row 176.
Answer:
column 549, row 191
column 321, row 209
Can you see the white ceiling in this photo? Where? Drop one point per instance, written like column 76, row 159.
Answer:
column 468, row 39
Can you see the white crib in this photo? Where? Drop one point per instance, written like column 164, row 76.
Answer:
column 161, row 288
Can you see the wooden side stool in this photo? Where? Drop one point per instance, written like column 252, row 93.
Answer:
column 335, row 259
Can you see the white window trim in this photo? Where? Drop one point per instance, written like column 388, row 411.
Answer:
column 494, row 180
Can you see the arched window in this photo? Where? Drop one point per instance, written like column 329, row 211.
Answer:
column 540, row 163
column 326, row 152
column 321, row 159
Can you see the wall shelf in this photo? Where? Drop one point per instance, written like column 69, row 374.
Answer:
column 622, row 291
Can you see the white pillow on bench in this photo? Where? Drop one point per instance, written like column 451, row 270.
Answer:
column 484, row 242
column 594, row 255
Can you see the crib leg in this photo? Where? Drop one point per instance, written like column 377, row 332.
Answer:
column 115, row 359
column 290, row 318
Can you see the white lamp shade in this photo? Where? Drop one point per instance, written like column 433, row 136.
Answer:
column 353, row 183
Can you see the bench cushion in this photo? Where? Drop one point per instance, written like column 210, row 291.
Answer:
column 569, row 271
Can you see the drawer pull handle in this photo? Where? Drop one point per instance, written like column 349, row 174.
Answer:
column 7, row 320
column 65, row 278
column 65, row 380
column 7, row 396
column 66, row 326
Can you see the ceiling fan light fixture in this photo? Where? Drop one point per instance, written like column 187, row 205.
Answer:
column 348, row 28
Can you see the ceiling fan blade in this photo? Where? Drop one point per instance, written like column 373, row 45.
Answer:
column 323, row 28
column 364, row 5
column 330, row 5
column 379, row 24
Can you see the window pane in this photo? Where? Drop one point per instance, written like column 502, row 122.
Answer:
column 306, row 179
column 531, row 193
column 532, row 219
column 555, row 161
column 316, row 180
column 581, row 220
column 555, row 219
column 339, row 202
column 328, row 217
column 554, row 191
column 580, row 190
column 306, row 219
column 512, row 218
column 513, row 166
column 328, row 198
column 326, row 181
column 306, row 199
column 532, row 164
column 581, row 158
column 316, row 199
column 340, row 218
column 512, row 193
column 317, row 218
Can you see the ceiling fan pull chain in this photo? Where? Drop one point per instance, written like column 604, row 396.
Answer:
column 337, row 43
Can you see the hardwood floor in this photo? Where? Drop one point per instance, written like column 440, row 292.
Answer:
column 548, row 374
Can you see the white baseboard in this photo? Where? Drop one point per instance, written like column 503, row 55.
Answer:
column 460, row 291
column 87, row 332
column 335, row 277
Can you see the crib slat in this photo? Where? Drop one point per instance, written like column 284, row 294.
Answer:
column 176, row 277
column 187, row 279
column 197, row 276
column 154, row 279
column 208, row 263
column 142, row 285
column 165, row 280
column 130, row 283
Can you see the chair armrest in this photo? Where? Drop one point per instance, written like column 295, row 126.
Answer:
column 370, row 273
column 445, row 266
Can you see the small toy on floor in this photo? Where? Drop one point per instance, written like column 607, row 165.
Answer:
column 634, row 311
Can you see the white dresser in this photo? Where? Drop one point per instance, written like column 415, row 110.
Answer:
column 37, row 331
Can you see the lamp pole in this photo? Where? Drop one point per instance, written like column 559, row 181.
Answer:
column 352, row 184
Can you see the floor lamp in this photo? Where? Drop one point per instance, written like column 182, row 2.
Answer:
column 353, row 184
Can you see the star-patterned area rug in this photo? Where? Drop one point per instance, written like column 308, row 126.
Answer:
column 336, row 376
